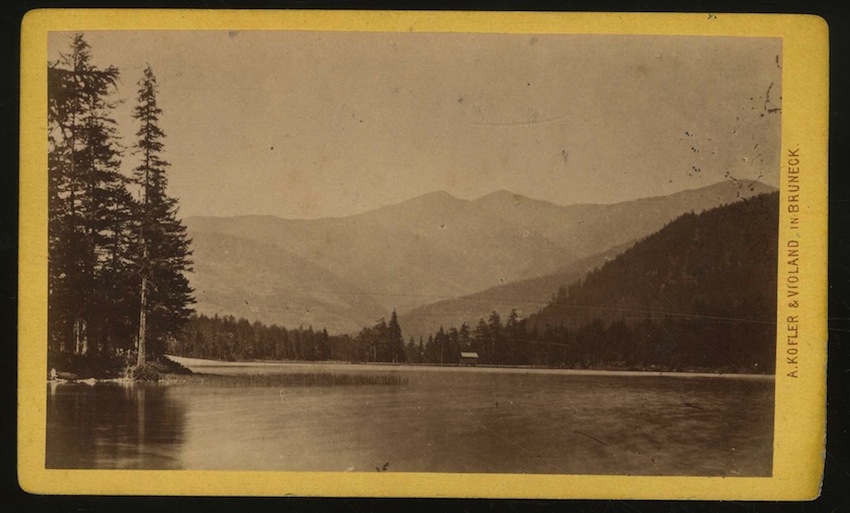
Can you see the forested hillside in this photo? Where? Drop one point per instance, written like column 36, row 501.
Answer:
column 721, row 263
column 701, row 291
column 700, row 294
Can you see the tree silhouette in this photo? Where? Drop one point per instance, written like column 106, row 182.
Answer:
column 163, row 247
column 88, row 204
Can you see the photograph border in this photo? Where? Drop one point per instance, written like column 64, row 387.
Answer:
column 800, row 408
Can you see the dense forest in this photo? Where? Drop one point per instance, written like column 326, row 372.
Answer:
column 701, row 292
column 117, row 252
column 698, row 294
column 228, row 338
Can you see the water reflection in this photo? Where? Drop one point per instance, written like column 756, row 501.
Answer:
column 112, row 425
column 429, row 421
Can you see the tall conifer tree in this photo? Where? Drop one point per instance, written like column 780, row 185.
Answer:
column 163, row 252
column 396, row 341
column 87, row 201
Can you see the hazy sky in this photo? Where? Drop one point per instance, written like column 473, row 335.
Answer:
column 312, row 124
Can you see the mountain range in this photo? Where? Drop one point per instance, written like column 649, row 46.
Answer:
column 345, row 273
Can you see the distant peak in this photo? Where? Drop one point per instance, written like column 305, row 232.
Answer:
column 439, row 194
column 501, row 193
column 749, row 185
column 429, row 198
column 503, row 196
column 436, row 196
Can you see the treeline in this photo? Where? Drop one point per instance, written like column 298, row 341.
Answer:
column 117, row 252
column 663, row 343
column 493, row 341
column 231, row 339
column 698, row 294
column 651, row 344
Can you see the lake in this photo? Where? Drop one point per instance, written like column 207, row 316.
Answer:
column 366, row 418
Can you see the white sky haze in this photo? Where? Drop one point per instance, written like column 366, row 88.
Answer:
column 315, row 124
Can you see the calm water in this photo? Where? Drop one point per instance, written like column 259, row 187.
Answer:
column 428, row 420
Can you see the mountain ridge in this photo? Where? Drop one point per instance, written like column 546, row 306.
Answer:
column 740, row 184
column 405, row 255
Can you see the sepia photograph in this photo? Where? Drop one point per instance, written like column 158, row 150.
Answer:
column 422, row 254
column 412, row 252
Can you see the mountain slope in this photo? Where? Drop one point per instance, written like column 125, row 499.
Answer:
column 262, row 282
column 525, row 296
column 430, row 248
column 702, row 289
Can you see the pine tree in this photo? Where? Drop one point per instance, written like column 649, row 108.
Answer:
column 323, row 345
column 452, row 346
column 163, row 253
column 440, row 340
column 396, row 341
column 88, row 205
column 369, row 340
column 515, row 343
column 494, row 329
column 382, row 349
column 410, row 351
column 464, row 336
column 431, row 355
column 481, row 341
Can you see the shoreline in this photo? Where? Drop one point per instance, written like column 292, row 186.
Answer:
column 99, row 368
column 198, row 365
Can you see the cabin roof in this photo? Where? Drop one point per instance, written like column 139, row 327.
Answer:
column 468, row 354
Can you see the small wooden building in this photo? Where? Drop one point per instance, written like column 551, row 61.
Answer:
column 468, row 358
